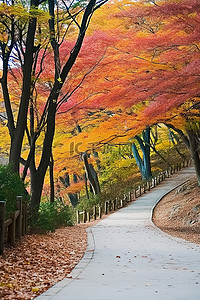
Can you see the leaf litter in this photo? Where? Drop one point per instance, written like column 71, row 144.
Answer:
column 39, row 261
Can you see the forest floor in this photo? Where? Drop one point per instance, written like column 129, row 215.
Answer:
column 39, row 261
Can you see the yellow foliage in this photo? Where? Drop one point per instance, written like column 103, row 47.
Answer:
column 6, row 284
column 35, row 289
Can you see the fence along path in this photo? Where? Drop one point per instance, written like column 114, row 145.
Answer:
column 85, row 216
column 129, row 258
column 15, row 226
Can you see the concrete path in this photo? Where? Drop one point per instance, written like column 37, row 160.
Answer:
column 129, row 258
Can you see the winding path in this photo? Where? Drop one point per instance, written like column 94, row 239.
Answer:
column 129, row 258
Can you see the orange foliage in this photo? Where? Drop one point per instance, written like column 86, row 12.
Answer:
column 145, row 72
column 139, row 65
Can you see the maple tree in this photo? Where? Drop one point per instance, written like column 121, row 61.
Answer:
column 146, row 77
column 172, row 88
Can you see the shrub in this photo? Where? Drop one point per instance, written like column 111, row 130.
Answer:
column 52, row 216
column 88, row 204
column 10, row 186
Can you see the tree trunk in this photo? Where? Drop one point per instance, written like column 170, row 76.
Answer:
column 194, row 146
column 91, row 176
column 192, row 143
column 17, row 138
column 143, row 163
column 86, row 187
column 52, row 191
column 66, row 182
column 37, row 181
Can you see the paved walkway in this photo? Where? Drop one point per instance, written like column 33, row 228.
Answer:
column 129, row 258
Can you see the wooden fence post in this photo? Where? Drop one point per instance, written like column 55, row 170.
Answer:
column 117, row 203
column 110, row 205
column 94, row 212
column 171, row 170
column 144, row 187
column 100, row 212
column 88, row 216
column 12, row 229
column 77, row 217
column 160, row 177
column 2, row 224
column 106, row 207
column 24, row 219
column 19, row 218
column 130, row 197
column 84, row 216
column 140, row 190
column 134, row 194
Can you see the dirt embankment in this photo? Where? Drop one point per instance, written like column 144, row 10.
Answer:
column 178, row 213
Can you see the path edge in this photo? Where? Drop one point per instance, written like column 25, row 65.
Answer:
column 82, row 264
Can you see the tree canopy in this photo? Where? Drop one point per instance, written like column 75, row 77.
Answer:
column 68, row 93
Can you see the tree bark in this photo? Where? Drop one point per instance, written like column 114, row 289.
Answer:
column 91, row 175
column 51, row 175
column 66, row 182
column 143, row 163
column 37, row 181
column 194, row 146
column 17, row 138
column 191, row 141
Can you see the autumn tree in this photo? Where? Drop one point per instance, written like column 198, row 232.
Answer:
column 174, row 85
column 145, row 67
column 143, row 163
column 26, row 41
